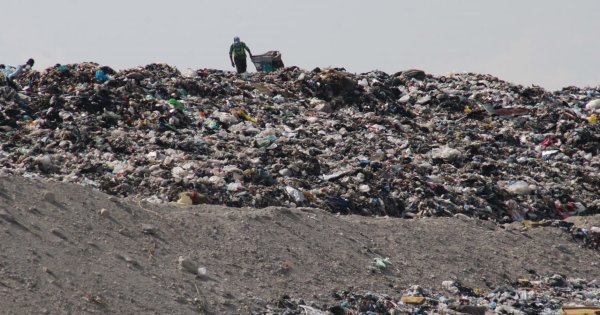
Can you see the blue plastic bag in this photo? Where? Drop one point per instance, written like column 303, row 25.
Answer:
column 101, row 76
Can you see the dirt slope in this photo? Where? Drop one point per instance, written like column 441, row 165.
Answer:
column 60, row 253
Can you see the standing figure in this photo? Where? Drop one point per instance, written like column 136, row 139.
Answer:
column 237, row 55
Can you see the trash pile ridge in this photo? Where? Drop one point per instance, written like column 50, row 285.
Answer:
column 407, row 144
column 545, row 295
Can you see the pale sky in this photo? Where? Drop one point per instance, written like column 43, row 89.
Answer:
column 551, row 43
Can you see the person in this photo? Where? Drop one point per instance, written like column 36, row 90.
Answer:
column 237, row 54
column 16, row 73
column 5, row 71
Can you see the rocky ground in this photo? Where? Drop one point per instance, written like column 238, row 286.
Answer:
column 67, row 249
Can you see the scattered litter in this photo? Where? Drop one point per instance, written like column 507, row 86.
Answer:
column 537, row 295
column 153, row 133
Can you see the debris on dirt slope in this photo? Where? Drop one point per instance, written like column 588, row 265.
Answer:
column 70, row 249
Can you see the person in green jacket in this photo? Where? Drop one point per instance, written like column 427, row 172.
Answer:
column 237, row 55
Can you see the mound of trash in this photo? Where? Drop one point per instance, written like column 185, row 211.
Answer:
column 553, row 294
column 405, row 145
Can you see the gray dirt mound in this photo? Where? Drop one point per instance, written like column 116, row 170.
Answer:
column 66, row 249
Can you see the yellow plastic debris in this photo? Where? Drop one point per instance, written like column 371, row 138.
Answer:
column 533, row 224
column 242, row 114
column 523, row 281
column 527, row 223
column 409, row 299
column 580, row 310
column 467, row 109
column 592, row 118
column 185, row 199
column 191, row 198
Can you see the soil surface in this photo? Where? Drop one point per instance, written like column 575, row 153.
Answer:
column 68, row 249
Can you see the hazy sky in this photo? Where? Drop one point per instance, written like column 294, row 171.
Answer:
column 552, row 43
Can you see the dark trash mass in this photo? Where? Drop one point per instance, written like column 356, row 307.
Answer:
column 403, row 145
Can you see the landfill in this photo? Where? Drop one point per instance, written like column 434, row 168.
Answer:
column 407, row 145
column 535, row 295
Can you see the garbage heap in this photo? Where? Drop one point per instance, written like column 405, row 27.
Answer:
column 547, row 295
column 407, row 144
